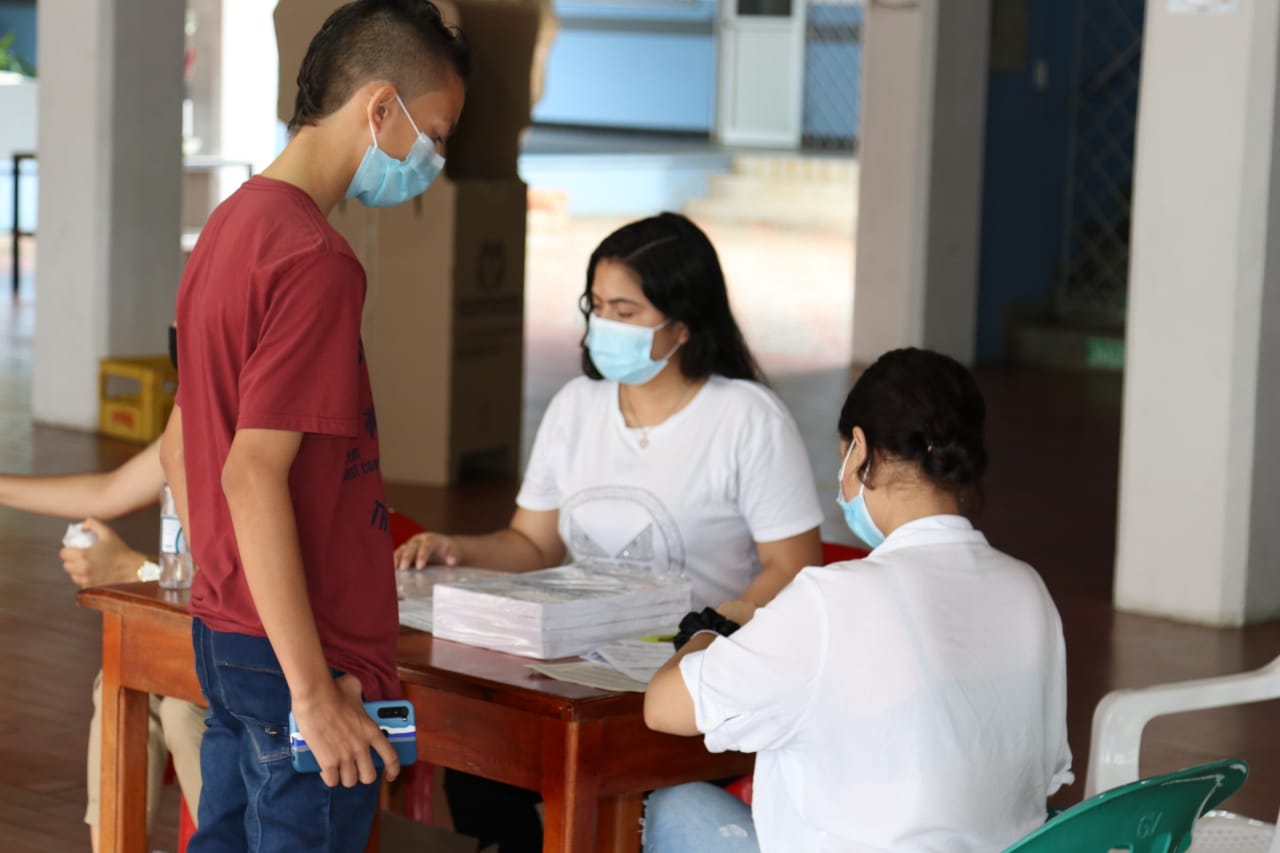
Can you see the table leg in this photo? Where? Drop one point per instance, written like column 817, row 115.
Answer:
column 570, row 785
column 618, row 824
column 122, row 820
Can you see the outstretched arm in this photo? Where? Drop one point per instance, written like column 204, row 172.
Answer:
column 531, row 542
column 111, row 494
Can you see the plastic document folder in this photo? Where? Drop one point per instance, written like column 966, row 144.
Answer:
column 414, row 588
column 559, row 612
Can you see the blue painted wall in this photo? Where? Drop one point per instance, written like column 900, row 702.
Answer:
column 19, row 17
column 650, row 66
column 1024, row 175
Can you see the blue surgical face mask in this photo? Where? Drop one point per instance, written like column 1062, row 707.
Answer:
column 856, row 514
column 623, row 352
column 384, row 181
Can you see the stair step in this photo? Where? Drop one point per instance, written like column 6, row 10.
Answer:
column 788, row 214
column 750, row 188
column 799, row 168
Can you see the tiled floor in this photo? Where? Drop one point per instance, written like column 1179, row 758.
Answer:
column 1050, row 500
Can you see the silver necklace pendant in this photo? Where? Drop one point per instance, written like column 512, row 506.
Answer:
column 644, row 439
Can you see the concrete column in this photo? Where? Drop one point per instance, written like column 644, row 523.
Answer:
column 110, row 179
column 924, row 78
column 1198, row 536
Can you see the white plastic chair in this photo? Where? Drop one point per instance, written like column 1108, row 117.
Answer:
column 1121, row 716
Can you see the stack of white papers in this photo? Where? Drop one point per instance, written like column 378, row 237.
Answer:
column 559, row 612
column 415, row 588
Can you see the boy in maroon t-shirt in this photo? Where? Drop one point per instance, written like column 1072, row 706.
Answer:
column 272, row 450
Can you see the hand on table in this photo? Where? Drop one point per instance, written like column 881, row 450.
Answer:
column 340, row 733
column 426, row 548
column 108, row 560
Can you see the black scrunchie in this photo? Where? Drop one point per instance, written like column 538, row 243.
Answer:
column 709, row 619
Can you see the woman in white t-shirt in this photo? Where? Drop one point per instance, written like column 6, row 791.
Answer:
column 911, row 701
column 668, row 455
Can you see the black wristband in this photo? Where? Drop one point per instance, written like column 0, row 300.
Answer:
column 709, row 619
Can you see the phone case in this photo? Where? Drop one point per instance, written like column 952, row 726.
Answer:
column 394, row 717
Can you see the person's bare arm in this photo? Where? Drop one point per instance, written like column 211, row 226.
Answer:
column 668, row 707
column 780, row 562
column 174, row 462
column 255, row 479
column 531, row 542
column 109, row 494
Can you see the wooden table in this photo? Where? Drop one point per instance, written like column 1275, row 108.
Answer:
column 586, row 750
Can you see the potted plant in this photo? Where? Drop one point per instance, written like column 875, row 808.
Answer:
column 10, row 61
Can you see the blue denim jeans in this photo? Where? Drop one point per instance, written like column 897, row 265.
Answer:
column 253, row 800
column 698, row 818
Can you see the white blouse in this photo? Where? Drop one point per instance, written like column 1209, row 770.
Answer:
column 692, row 495
column 911, row 701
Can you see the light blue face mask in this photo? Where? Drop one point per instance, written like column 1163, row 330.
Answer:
column 384, row 181
column 856, row 514
column 623, row 352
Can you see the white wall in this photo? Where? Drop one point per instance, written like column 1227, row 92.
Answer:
column 1198, row 535
column 923, row 122
column 17, row 133
column 249, row 74
column 18, row 106
column 110, row 168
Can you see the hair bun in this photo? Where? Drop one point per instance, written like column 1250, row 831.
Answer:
column 955, row 459
column 921, row 407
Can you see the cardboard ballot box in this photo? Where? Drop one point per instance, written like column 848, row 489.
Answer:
column 444, row 325
column 444, row 315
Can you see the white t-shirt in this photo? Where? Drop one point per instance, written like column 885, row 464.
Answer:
column 725, row 472
column 913, row 701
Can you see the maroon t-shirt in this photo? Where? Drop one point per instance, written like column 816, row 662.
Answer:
column 269, row 307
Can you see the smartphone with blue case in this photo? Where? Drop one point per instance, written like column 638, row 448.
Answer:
column 394, row 717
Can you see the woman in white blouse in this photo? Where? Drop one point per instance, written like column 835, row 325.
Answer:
column 911, row 701
column 669, row 454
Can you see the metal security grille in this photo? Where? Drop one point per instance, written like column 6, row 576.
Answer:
column 832, row 75
column 1093, row 285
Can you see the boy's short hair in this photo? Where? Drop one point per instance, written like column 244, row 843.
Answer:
column 405, row 42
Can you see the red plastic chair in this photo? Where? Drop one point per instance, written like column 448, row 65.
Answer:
column 403, row 528
column 832, row 552
column 186, row 826
column 835, row 552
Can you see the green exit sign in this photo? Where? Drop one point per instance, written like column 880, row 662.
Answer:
column 1104, row 353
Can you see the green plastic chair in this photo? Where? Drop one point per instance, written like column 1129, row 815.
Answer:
column 1148, row 816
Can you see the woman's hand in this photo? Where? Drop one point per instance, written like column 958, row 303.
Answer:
column 738, row 610
column 426, row 548
column 108, row 560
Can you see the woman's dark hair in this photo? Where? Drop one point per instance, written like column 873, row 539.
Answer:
column 921, row 406
column 681, row 276
column 405, row 42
